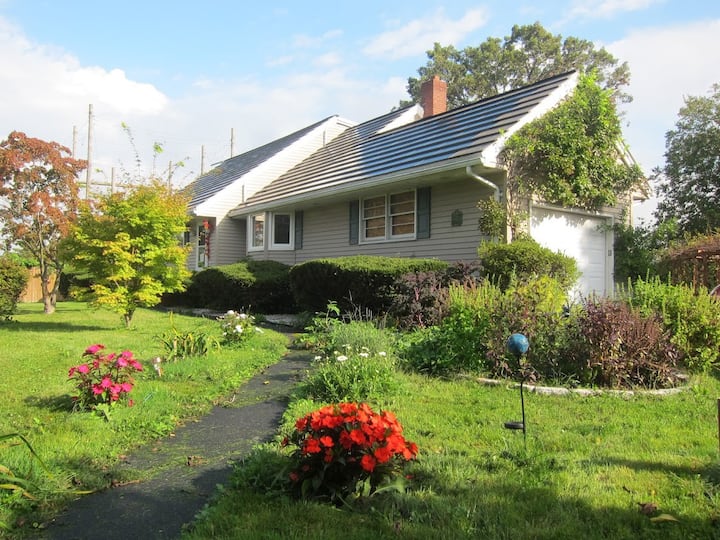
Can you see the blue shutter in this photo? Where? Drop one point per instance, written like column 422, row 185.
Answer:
column 423, row 213
column 354, row 222
column 298, row 229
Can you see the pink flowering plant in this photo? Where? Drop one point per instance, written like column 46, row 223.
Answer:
column 103, row 378
column 346, row 449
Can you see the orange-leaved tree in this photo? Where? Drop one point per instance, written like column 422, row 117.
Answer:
column 38, row 203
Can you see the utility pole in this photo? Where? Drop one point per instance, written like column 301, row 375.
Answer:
column 88, row 177
column 202, row 159
column 232, row 142
column 170, row 176
column 74, row 146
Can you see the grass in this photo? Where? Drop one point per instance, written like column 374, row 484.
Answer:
column 590, row 463
column 80, row 449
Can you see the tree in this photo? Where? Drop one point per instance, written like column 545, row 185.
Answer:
column 572, row 155
column 128, row 245
column 529, row 54
column 689, row 183
column 38, row 187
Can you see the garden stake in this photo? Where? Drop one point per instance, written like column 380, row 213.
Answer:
column 518, row 345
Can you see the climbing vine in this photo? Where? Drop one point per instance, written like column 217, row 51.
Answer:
column 571, row 156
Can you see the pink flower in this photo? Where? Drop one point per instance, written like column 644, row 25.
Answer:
column 71, row 372
column 97, row 389
column 92, row 349
column 106, row 382
column 83, row 368
column 126, row 387
column 122, row 361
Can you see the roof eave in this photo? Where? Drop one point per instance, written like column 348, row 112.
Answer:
column 359, row 185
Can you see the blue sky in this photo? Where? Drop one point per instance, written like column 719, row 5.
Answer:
column 187, row 73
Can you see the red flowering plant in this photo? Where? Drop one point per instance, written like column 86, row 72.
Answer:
column 345, row 448
column 103, row 379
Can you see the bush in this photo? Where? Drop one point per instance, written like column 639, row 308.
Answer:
column 525, row 259
column 481, row 317
column 421, row 298
column 617, row 346
column 260, row 285
column 346, row 449
column 352, row 375
column 237, row 327
column 357, row 281
column 355, row 362
column 692, row 319
column 13, row 280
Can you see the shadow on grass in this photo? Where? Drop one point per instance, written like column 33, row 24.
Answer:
column 710, row 471
column 48, row 326
column 51, row 403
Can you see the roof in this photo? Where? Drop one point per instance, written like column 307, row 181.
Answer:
column 231, row 169
column 451, row 139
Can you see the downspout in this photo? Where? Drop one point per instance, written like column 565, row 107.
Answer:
column 472, row 174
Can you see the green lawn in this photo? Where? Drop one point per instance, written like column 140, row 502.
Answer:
column 590, row 463
column 81, row 448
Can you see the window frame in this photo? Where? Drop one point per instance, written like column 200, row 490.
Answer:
column 251, row 232
column 388, row 218
column 290, row 245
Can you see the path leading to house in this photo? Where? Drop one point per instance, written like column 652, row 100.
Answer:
column 191, row 464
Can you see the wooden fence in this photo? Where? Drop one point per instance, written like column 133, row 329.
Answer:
column 33, row 291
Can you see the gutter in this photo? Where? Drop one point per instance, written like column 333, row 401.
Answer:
column 472, row 174
column 345, row 186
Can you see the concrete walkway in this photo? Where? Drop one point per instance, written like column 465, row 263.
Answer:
column 191, row 464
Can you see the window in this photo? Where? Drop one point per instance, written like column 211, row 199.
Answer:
column 282, row 231
column 202, row 246
column 388, row 217
column 256, row 232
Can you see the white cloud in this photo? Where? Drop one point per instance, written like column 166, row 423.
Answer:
column 667, row 64
column 419, row 35
column 303, row 41
column 606, row 9
column 328, row 60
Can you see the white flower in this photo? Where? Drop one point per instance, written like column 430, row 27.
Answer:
column 242, row 316
column 363, row 355
column 341, row 358
column 364, row 349
column 382, row 353
column 239, row 329
column 230, row 312
column 318, row 357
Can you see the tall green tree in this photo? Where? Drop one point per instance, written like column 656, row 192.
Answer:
column 529, row 54
column 572, row 155
column 39, row 192
column 689, row 182
column 128, row 245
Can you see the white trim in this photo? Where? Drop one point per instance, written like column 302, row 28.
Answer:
column 388, row 237
column 270, row 232
column 250, row 230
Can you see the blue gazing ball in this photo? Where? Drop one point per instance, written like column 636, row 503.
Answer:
column 518, row 344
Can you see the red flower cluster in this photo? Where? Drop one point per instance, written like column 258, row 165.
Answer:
column 340, row 445
column 104, row 378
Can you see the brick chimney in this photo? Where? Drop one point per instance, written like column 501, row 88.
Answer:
column 433, row 96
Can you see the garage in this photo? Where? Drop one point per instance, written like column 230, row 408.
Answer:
column 587, row 238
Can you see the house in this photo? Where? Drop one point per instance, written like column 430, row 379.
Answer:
column 215, row 239
column 407, row 184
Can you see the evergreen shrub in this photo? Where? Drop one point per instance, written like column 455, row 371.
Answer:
column 13, row 280
column 525, row 259
column 260, row 285
column 353, row 282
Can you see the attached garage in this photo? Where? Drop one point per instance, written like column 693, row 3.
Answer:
column 588, row 238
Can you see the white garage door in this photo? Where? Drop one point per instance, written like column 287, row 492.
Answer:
column 585, row 238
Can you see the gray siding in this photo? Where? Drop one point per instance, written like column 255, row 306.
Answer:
column 325, row 231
